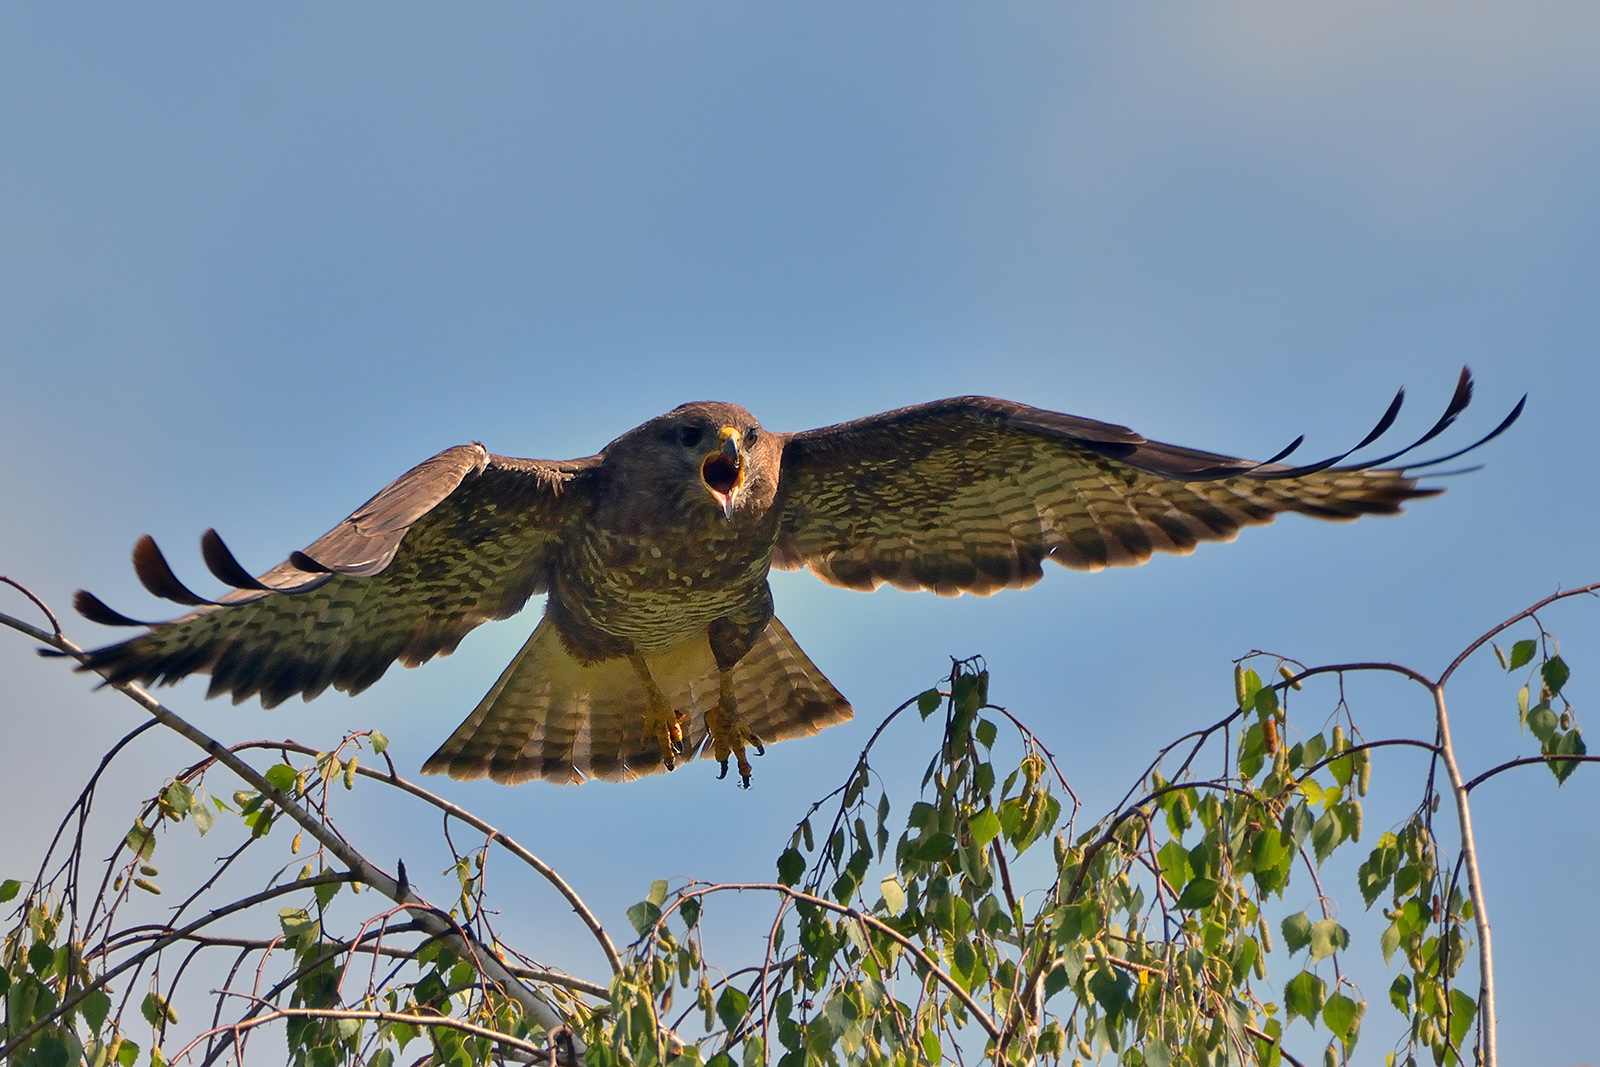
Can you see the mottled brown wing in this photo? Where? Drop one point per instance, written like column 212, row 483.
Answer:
column 552, row 717
column 463, row 538
column 973, row 494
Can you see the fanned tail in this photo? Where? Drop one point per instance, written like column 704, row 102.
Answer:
column 550, row 716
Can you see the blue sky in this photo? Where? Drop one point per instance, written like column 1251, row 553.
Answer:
column 256, row 262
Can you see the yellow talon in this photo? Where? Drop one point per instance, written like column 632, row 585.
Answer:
column 730, row 734
column 661, row 721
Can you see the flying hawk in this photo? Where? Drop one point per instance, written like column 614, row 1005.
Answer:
column 658, row 640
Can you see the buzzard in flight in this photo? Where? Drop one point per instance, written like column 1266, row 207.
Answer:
column 658, row 640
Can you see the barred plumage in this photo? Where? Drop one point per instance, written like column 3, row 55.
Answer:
column 658, row 639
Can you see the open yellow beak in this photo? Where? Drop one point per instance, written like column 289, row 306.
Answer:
column 722, row 471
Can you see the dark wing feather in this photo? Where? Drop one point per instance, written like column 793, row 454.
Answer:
column 463, row 538
column 973, row 494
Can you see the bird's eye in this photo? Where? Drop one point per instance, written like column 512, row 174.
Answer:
column 690, row 436
column 750, row 436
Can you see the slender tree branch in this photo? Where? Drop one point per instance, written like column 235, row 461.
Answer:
column 55, row 623
column 1526, row 761
column 1469, row 852
column 1581, row 590
column 1269, row 1039
column 437, row 1021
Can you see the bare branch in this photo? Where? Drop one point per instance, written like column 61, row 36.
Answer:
column 1591, row 588
column 55, row 623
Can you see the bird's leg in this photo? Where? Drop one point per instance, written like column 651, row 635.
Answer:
column 729, row 732
column 661, row 721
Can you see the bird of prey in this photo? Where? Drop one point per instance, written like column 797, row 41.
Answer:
column 658, row 641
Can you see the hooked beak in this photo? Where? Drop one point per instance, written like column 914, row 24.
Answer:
column 722, row 471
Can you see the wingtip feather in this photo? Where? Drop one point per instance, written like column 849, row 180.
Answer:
column 156, row 575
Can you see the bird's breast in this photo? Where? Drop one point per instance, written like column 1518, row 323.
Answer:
column 656, row 592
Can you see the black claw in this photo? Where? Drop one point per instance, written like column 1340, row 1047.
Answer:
column 724, row 772
column 755, row 742
column 744, row 781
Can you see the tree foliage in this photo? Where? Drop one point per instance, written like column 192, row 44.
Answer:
column 979, row 914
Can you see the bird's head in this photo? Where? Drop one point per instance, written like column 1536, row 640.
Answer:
column 705, row 454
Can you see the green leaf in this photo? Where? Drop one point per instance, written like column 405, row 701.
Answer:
column 791, row 866
column 178, row 797
column 1373, row 875
column 1400, row 994
column 127, row 1053
column 1326, row 835
column 1270, row 859
column 1343, row 1017
column 1327, row 937
column 1315, row 747
column 658, row 892
column 295, row 922
column 894, row 897
column 1057, row 980
column 644, row 916
column 1555, row 674
column 1296, row 932
column 42, row 957
column 204, row 818
column 47, row 1052
column 931, row 849
column 690, row 910
column 1175, row 865
column 1112, row 989
column 9, row 889
column 1463, row 1009
column 1568, row 744
column 731, row 1007
column 985, row 827
column 1522, row 653
column 1390, row 940
column 326, row 892
column 141, row 841
column 379, row 742
column 1199, row 893
column 968, row 694
column 95, row 1007
column 156, row 1011
column 962, row 961
column 1303, row 996
column 281, row 776
column 1542, row 722
column 929, row 702
column 985, row 733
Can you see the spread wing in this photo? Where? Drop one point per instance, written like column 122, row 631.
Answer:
column 463, row 538
column 973, row 494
